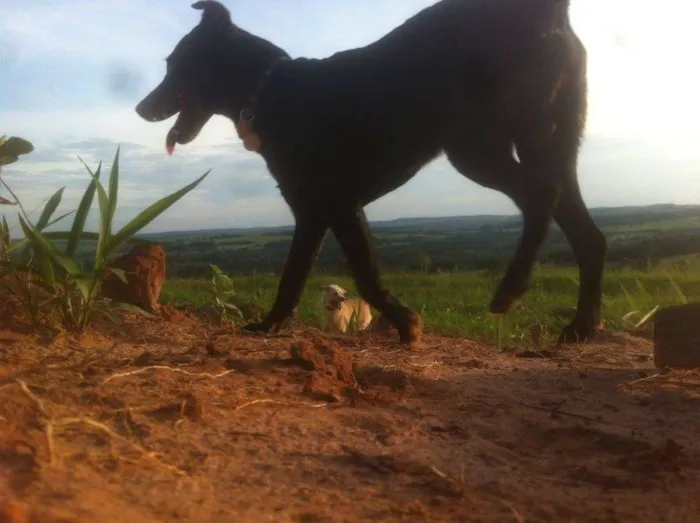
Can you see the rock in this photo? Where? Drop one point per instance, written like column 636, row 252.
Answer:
column 332, row 370
column 677, row 336
column 144, row 266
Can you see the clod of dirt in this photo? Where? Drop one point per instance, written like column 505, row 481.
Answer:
column 174, row 315
column 332, row 369
column 191, row 406
column 144, row 359
column 211, row 349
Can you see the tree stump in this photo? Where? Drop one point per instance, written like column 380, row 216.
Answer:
column 677, row 336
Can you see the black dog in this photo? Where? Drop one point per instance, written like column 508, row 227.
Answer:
column 475, row 79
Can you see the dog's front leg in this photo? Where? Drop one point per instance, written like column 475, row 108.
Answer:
column 307, row 240
column 352, row 231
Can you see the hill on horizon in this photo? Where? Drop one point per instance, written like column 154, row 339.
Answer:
column 604, row 216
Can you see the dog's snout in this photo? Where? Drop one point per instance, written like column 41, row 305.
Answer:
column 160, row 104
column 144, row 111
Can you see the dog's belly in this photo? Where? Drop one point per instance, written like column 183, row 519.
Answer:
column 356, row 176
column 372, row 183
column 386, row 161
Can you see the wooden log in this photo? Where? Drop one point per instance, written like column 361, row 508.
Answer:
column 677, row 336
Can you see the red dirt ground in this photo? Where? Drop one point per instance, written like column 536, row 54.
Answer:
column 313, row 428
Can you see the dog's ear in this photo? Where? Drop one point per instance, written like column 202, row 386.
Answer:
column 214, row 14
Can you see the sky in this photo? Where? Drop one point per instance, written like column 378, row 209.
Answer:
column 72, row 71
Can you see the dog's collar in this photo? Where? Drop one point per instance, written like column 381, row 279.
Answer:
column 247, row 114
column 244, row 127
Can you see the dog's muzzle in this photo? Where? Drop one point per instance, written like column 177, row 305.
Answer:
column 160, row 104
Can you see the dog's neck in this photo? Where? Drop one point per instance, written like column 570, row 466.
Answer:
column 251, row 59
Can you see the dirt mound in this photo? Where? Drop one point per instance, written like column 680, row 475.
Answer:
column 180, row 421
column 331, row 369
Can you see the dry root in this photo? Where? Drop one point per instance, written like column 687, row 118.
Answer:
column 171, row 369
column 50, row 425
column 282, row 402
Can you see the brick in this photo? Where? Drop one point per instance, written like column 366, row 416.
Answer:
column 677, row 336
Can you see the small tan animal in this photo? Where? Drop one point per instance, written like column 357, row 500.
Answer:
column 341, row 309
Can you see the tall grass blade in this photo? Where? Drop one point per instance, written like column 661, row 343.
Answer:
column 46, row 247
column 648, row 300
column 112, row 195
column 681, row 296
column 103, row 233
column 146, row 216
column 4, row 238
column 56, row 220
column 49, row 209
column 646, row 317
column 630, row 299
column 48, row 275
column 82, row 213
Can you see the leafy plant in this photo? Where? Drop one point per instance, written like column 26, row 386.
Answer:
column 19, row 279
column 222, row 287
column 12, row 148
column 76, row 292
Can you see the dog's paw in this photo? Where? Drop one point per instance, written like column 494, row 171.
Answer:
column 575, row 333
column 260, row 327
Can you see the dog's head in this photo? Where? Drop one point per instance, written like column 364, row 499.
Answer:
column 334, row 296
column 199, row 73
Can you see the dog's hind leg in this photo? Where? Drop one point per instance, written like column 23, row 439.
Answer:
column 589, row 246
column 352, row 232
column 490, row 163
column 555, row 159
column 306, row 242
column 572, row 216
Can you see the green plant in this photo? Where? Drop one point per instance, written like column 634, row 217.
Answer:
column 354, row 321
column 19, row 279
column 75, row 292
column 222, row 287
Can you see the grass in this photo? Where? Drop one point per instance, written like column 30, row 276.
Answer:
column 455, row 304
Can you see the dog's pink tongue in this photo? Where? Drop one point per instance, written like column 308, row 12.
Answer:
column 170, row 141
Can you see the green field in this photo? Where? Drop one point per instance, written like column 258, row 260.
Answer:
column 447, row 268
column 456, row 303
column 639, row 238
